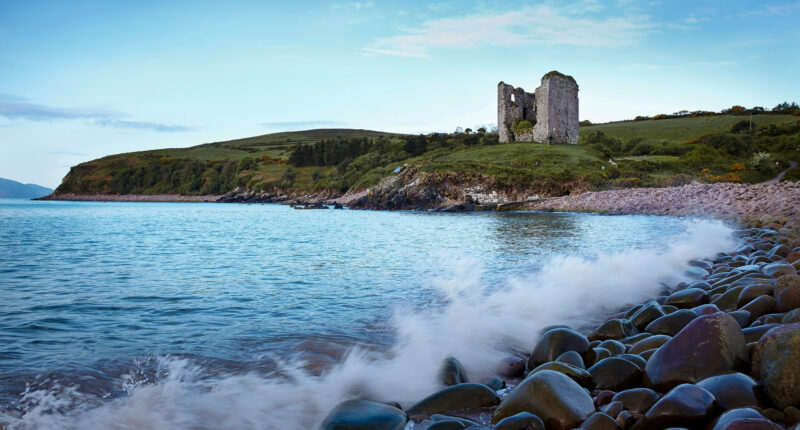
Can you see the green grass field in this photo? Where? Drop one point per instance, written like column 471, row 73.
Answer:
column 678, row 130
column 276, row 145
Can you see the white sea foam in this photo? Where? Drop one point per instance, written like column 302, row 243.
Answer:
column 476, row 326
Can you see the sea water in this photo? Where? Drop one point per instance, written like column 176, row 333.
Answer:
column 202, row 315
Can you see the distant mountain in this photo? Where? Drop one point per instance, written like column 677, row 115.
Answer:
column 14, row 190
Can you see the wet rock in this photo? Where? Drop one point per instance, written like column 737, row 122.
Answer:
column 615, row 374
column 600, row 421
column 614, row 329
column 779, row 269
column 787, row 293
column 752, row 292
column 635, row 338
column 741, row 317
column 594, row 355
column 646, row 315
column 613, row 346
column 649, row 343
column 780, row 368
column 603, row 397
column 511, row 367
column 685, row 406
column 520, row 421
column 364, row 415
column 776, row 318
column 728, row 301
column 577, row 374
column 732, row 390
column 554, row 343
column 456, row 397
column 671, row 324
column 647, row 354
column 572, row 358
column 760, row 306
column 636, row 359
column 707, row 346
column 706, row 309
column 744, row 418
column 625, row 419
column 754, row 334
column 452, row 372
column 792, row 316
column 496, row 384
column 668, row 309
column 637, row 400
column 758, row 351
column 612, row 409
column 688, row 298
column 558, row 400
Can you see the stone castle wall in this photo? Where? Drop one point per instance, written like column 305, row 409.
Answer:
column 552, row 110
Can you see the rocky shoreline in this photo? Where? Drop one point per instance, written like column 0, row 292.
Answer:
column 722, row 352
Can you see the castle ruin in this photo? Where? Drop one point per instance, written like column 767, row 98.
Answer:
column 548, row 115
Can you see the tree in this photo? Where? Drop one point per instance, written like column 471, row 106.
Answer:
column 468, row 130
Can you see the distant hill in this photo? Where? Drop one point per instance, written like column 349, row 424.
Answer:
column 15, row 190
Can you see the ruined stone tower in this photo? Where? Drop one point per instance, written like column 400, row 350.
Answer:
column 548, row 115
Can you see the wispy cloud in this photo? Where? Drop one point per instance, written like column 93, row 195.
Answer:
column 14, row 107
column 774, row 9
column 528, row 26
column 353, row 5
column 301, row 125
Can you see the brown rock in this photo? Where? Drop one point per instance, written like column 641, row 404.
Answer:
column 787, row 293
column 709, row 345
column 558, row 400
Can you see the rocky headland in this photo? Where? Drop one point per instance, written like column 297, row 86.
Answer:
column 720, row 352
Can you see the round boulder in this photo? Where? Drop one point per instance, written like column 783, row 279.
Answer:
column 614, row 329
column 778, row 269
column 671, row 324
column 687, row 298
column 685, row 406
column 511, row 367
column 558, row 400
column 452, row 372
column 787, row 293
column 577, row 374
column 456, row 397
column 615, row 374
column 744, row 418
column 649, row 343
column 637, row 400
column 780, row 369
column 732, row 390
column 707, row 346
column 520, row 421
column 364, row 415
column 571, row 357
column 600, row 421
column 554, row 343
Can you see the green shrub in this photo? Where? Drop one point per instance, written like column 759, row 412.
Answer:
column 523, row 125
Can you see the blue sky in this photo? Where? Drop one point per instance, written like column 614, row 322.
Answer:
column 84, row 79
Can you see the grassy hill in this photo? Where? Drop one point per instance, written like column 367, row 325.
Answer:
column 653, row 152
column 679, row 130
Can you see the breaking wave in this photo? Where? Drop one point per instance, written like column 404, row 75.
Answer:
column 478, row 324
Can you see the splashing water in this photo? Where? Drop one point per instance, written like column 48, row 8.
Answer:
column 478, row 324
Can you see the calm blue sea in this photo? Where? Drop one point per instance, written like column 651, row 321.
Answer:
column 98, row 296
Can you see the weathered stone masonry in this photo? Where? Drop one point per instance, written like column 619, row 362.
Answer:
column 552, row 110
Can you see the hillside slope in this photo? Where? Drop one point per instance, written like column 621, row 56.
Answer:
column 16, row 190
column 331, row 162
